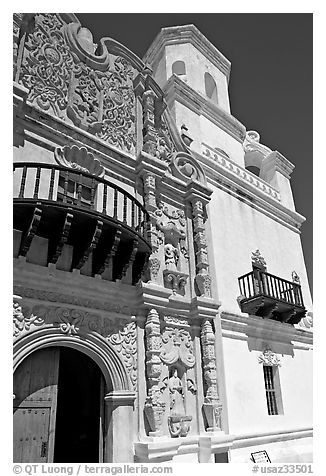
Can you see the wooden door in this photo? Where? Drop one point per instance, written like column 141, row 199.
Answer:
column 35, row 390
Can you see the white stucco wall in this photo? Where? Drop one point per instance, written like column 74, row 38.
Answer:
column 237, row 231
column 245, row 390
column 196, row 66
column 202, row 130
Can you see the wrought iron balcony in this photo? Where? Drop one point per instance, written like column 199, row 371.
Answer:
column 271, row 297
column 72, row 207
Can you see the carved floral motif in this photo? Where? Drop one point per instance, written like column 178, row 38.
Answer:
column 120, row 334
column 101, row 102
column 70, row 320
column 268, row 357
column 125, row 343
column 23, row 322
column 154, row 267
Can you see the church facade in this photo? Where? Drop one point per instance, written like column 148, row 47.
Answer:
column 161, row 310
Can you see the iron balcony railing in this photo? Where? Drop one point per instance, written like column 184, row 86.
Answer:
column 56, row 184
column 259, row 283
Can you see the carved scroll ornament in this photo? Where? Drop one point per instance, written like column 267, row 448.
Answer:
column 23, row 322
column 177, row 345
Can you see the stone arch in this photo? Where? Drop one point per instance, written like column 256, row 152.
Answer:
column 93, row 345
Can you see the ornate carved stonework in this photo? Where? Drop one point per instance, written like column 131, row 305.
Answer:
column 154, row 405
column 202, row 279
column 125, row 343
column 101, row 102
column 212, row 406
column 295, row 277
column 23, row 322
column 175, row 280
column 173, row 227
column 307, row 322
column 154, row 267
column 120, row 334
column 149, row 132
column 69, row 320
column 79, row 159
column 176, row 321
column 203, row 282
column 177, row 345
column 268, row 357
column 164, row 143
column 258, row 260
column 252, row 144
column 185, row 167
column 79, row 300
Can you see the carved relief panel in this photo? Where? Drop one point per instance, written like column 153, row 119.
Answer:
column 121, row 334
column 97, row 98
column 171, row 382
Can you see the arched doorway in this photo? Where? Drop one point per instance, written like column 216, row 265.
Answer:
column 58, row 408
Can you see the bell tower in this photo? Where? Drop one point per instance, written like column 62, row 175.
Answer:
column 194, row 76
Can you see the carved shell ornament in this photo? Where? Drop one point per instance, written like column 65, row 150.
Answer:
column 78, row 159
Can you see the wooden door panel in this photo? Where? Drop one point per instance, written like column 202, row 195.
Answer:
column 36, row 379
column 35, row 390
column 31, row 434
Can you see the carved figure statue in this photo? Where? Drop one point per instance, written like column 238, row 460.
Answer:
column 176, row 394
column 171, row 256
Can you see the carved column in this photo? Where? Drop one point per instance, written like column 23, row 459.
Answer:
column 154, row 263
column 154, row 405
column 149, row 144
column 212, row 405
column 203, row 279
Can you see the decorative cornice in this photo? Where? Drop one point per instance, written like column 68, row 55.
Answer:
column 178, row 35
column 229, row 177
column 255, row 326
column 176, row 89
column 240, row 172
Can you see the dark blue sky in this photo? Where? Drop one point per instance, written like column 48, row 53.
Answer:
column 270, row 85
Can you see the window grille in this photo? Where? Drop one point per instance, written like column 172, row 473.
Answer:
column 270, row 389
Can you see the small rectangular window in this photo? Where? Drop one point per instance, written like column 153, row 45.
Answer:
column 273, row 390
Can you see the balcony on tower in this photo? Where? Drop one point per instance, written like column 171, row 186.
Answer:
column 77, row 219
column 268, row 296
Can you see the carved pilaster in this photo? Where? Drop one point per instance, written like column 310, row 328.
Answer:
column 212, row 406
column 150, row 205
column 150, row 191
column 203, row 279
column 149, row 144
column 154, row 405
